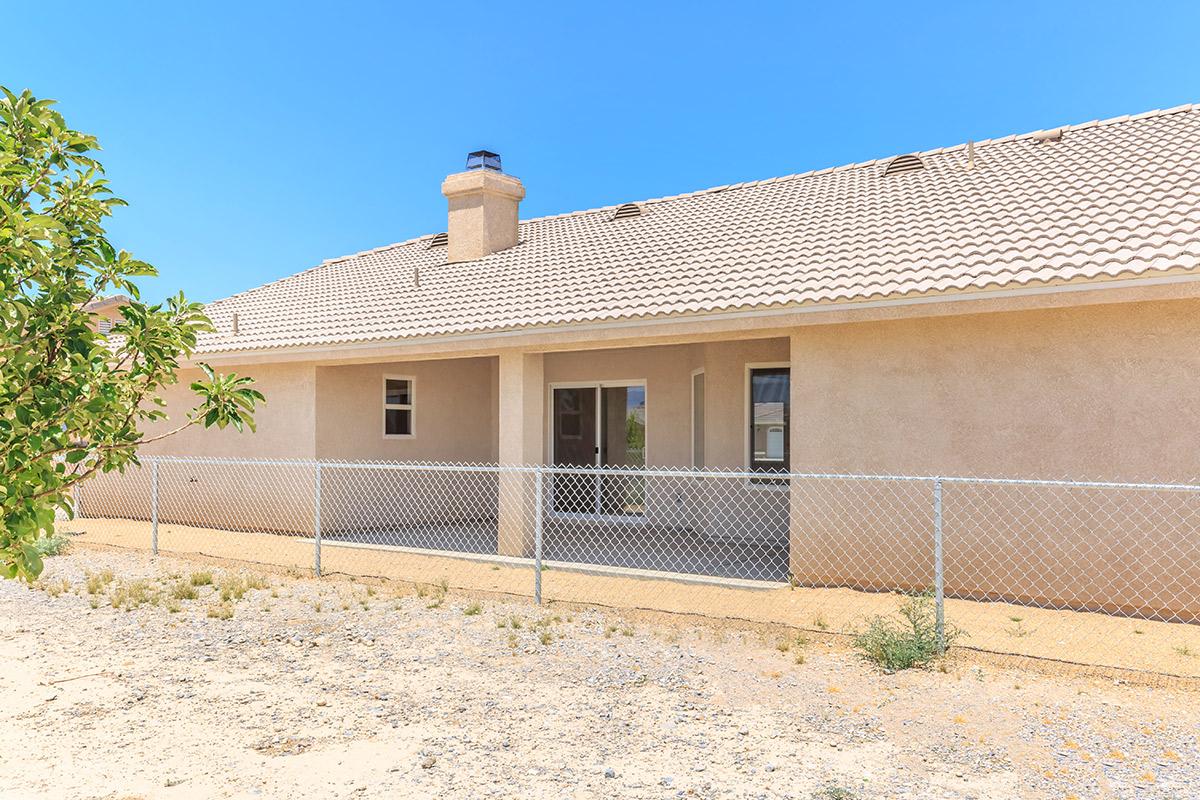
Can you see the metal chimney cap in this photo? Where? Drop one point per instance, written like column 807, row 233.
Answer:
column 484, row 159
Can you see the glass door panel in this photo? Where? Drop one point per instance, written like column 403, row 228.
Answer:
column 622, row 444
column 575, row 445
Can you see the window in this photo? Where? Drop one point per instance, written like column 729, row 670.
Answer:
column 770, row 409
column 104, row 325
column 698, row 418
column 397, row 406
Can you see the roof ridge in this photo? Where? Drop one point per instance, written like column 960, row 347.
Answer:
column 872, row 162
column 1095, row 123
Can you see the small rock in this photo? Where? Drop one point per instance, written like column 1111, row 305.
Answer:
column 769, row 768
column 427, row 762
column 609, row 772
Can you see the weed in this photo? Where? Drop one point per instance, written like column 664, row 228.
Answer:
column 501, row 623
column 444, row 585
column 820, row 622
column 97, row 582
column 203, row 578
column 546, row 637
column 1017, row 629
column 495, row 569
column 55, row 588
column 834, row 793
column 799, row 658
column 627, row 631
column 345, row 606
column 220, row 611
column 94, row 601
column 1184, row 650
column 512, row 641
column 370, row 591
column 515, row 623
column 783, row 645
column 420, row 590
column 183, row 590
column 437, row 603
column 317, row 606
column 134, row 594
column 274, row 592
column 609, row 630
column 174, row 606
column 913, row 642
column 472, row 610
column 52, row 545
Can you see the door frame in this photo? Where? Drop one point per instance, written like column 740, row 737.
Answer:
column 549, row 454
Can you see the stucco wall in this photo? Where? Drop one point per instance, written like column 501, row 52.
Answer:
column 286, row 423
column 454, row 412
column 240, row 498
column 1083, row 392
column 1100, row 392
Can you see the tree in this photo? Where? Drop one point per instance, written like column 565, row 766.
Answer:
column 73, row 399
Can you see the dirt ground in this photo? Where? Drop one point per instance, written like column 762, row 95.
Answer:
column 115, row 683
column 1074, row 637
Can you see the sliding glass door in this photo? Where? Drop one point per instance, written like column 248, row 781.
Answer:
column 599, row 425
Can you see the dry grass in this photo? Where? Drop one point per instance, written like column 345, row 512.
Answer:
column 220, row 611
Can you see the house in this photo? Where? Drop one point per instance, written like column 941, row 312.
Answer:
column 106, row 311
column 1027, row 306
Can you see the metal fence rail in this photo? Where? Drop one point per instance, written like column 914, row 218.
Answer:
column 1105, row 573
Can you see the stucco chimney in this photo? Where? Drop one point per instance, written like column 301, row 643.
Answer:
column 483, row 208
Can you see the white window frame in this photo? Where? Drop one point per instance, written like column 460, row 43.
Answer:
column 692, row 418
column 410, row 407
column 748, row 409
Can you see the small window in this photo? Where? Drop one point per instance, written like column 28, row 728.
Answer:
column 104, row 325
column 770, row 410
column 397, row 407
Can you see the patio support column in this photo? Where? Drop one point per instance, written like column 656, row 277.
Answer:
column 521, row 433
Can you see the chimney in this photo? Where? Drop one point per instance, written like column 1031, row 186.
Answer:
column 483, row 208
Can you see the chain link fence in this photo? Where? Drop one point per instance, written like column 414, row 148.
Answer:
column 1097, row 573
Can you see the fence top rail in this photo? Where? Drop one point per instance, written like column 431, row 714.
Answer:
column 664, row 472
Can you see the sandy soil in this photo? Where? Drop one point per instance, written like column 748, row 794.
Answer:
column 332, row 689
column 1058, row 636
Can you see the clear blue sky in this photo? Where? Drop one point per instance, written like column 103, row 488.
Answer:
column 253, row 140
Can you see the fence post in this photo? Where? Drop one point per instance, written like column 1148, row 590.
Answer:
column 939, row 580
column 154, row 506
column 317, row 524
column 537, row 534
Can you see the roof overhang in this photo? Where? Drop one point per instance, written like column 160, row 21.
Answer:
column 735, row 324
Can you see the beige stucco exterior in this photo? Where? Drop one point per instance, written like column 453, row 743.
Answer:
column 1081, row 390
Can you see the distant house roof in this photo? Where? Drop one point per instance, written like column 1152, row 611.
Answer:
column 101, row 303
column 1091, row 202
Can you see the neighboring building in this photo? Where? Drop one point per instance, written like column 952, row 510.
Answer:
column 106, row 311
column 1020, row 306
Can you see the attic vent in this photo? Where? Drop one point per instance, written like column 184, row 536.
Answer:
column 902, row 164
column 627, row 210
column 1052, row 135
column 440, row 240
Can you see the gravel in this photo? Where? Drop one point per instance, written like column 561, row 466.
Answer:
column 400, row 699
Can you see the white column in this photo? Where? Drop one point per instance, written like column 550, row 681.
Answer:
column 522, row 428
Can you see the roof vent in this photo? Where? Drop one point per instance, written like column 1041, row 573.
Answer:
column 1052, row 135
column 627, row 210
column 441, row 240
column 484, row 159
column 902, row 164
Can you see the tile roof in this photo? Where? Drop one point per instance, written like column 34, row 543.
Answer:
column 1109, row 199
